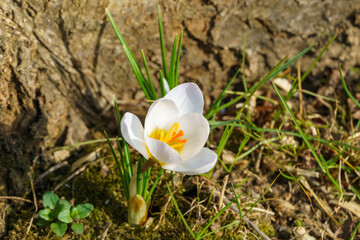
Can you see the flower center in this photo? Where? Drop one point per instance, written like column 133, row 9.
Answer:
column 171, row 137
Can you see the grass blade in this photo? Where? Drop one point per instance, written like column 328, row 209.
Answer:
column 178, row 210
column 312, row 65
column 257, row 201
column 331, row 144
column 139, row 177
column 127, row 178
column 162, row 87
column 321, row 161
column 126, row 187
column 243, row 65
column 209, row 114
column 346, row 89
column 198, row 236
column 162, row 45
column 354, row 232
column 178, row 59
column 127, row 160
column 171, row 79
column 154, row 185
column 146, row 182
column 151, row 85
column 132, row 60
column 276, row 70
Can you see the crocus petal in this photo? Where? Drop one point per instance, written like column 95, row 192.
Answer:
column 187, row 97
column 196, row 131
column 160, row 113
column 162, row 151
column 201, row 163
column 133, row 132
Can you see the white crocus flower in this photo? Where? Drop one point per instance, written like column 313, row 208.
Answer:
column 175, row 132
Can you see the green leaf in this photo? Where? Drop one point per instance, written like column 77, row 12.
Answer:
column 122, row 175
column 58, row 228
column 65, row 204
column 46, row 214
column 154, row 185
column 82, row 210
column 171, row 78
column 62, row 211
column 64, row 216
column 77, row 227
column 61, row 206
column 162, row 45
column 49, row 200
column 178, row 210
column 42, row 222
column 178, row 60
column 132, row 60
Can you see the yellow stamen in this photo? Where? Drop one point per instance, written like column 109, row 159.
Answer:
column 171, row 132
column 161, row 136
column 171, row 137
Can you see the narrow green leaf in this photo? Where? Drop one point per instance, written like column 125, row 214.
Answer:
column 198, row 236
column 312, row 65
column 162, row 45
column 346, row 89
column 219, row 108
column 241, row 147
column 49, row 200
column 237, row 200
column 171, row 79
column 125, row 185
column 154, row 185
column 178, row 210
column 77, row 228
column 58, row 228
column 146, row 182
column 178, row 59
column 127, row 160
column 162, row 87
column 243, row 64
column 153, row 91
column 321, row 161
column 276, row 70
column 220, row 98
column 139, row 177
column 354, row 232
column 118, row 115
column 260, row 129
column 125, row 171
column 132, row 60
